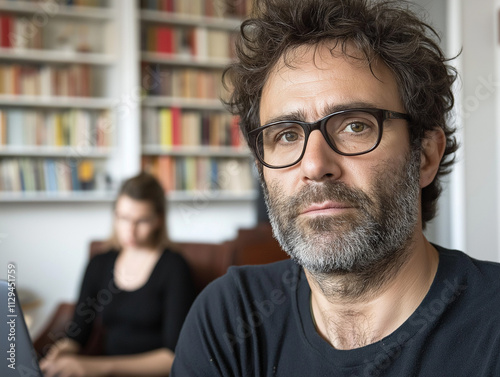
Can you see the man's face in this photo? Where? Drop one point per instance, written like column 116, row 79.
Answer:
column 335, row 213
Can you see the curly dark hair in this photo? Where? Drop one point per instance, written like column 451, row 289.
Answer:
column 386, row 30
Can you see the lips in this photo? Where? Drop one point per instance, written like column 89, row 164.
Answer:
column 329, row 206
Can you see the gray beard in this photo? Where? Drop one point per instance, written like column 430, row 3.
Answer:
column 366, row 247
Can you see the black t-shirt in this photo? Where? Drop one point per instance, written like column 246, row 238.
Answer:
column 256, row 321
column 134, row 321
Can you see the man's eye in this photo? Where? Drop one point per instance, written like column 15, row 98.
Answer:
column 288, row 137
column 356, row 127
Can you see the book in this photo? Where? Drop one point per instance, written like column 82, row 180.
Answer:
column 56, row 128
column 15, row 127
column 165, row 173
column 200, row 173
column 166, row 131
column 235, row 132
column 86, row 174
column 45, row 80
column 164, row 38
column 6, row 29
column 176, row 126
column 3, row 127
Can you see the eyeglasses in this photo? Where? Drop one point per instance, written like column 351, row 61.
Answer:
column 350, row 132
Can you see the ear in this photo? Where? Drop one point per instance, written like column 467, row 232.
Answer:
column 433, row 146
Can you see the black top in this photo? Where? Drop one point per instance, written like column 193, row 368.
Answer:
column 256, row 321
column 134, row 321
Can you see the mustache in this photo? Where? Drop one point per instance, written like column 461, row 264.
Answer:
column 321, row 192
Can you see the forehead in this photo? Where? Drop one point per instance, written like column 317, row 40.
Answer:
column 127, row 206
column 316, row 78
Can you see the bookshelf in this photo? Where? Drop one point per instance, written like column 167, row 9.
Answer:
column 189, row 141
column 84, row 97
column 57, row 77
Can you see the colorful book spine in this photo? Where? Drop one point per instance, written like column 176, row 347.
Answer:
column 195, row 41
column 78, row 128
column 43, row 80
column 176, row 127
column 200, row 173
column 207, row 8
column 166, row 129
column 48, row 174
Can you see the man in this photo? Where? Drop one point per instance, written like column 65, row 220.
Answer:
column 344, row 104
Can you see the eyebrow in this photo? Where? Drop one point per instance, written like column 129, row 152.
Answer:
column 300, row 115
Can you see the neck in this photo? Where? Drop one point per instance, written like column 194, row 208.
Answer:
column 140, row 249
column 354, row 310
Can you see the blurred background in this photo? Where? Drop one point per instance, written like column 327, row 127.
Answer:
column 93, row 91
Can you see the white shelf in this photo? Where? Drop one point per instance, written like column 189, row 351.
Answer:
column 212, row 196
column 56, row 102
column 48, row 9
column 190, row 20
column 54, row 56
column 185, row 103
column 109, row 196
column 50, row 151
column 198, row 151
column 60, row 196
column 184, row 60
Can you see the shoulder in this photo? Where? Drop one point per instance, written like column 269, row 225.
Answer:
column 99, row 270
column 173, row 259
column 476, row 299
column 476, row 271
column 172, row 270
column 234, row 313
column 102, row 260
column 475, row 280
column 108, row 255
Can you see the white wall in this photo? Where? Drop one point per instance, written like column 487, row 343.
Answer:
column 469, row 215
column 440, row 229
column 480, row 101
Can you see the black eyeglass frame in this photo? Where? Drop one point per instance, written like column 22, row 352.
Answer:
column 380, row 114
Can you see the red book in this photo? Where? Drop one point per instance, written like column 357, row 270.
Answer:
column 165, row 40
column 192, row 42
column 235, row 132
column 6, row 24
column 170, row 6
column 176, row 126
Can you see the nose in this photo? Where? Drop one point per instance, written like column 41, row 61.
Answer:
column 131, row 228
column 320, row 162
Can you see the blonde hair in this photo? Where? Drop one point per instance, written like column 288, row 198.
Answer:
column 145, row 187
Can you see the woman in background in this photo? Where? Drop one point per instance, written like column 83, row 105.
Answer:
column 141, row 288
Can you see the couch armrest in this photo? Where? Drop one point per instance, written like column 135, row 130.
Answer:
column 55, row 329
column 59, row 323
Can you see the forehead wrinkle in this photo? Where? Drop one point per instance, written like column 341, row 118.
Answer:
column 333, row 108
column 300, row 114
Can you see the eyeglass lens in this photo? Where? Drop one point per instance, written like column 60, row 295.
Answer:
column 350, row 133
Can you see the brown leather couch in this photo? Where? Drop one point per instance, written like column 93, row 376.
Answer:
column 207, row 262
